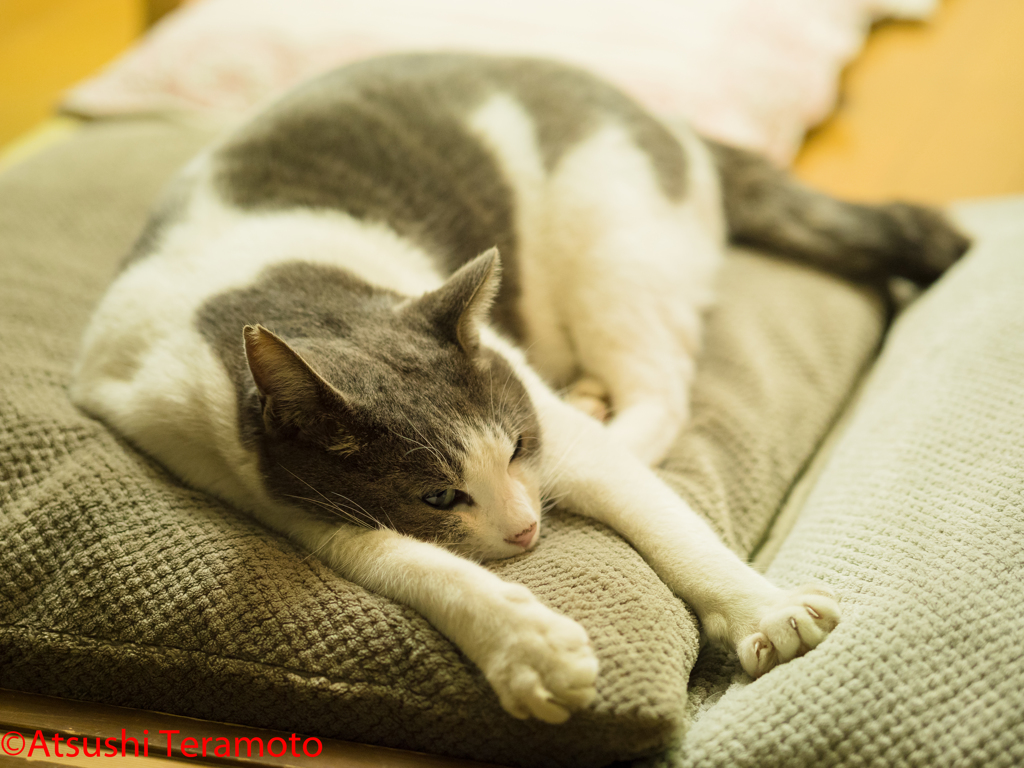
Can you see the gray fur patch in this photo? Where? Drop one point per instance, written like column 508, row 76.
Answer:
column 387, row 141
column 568, row 104
column 409, row 396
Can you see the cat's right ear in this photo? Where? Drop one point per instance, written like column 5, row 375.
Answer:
column 459, row 306
column 291, row 392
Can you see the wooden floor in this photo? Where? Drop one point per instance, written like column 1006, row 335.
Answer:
column 48, row 45
column 931, row 112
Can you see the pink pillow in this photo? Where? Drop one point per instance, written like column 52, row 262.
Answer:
column 754, row 72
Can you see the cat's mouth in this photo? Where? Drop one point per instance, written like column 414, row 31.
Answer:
column 484, row 549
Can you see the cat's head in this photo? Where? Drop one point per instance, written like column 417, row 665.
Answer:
column 407, row 422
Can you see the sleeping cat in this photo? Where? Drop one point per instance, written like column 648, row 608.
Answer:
column 351, row 317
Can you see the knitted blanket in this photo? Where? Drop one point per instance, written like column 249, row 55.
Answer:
column 918, row 520
column 118, row 584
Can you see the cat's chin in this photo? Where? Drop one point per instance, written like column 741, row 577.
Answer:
column 505, row 556
column 503, row 551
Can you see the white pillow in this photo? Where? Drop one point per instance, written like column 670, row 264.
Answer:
column 754, row 72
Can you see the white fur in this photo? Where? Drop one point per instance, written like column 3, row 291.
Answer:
column 596, row 231
column 506, row 495
column 614, row 280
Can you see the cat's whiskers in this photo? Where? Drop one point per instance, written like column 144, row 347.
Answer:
column 504, row 390
column 505, row 387
column 354, row 508
column 522, row 397
column 352, row 502
column 328, row 504
column 550, row 503
column 475, row 554
column 449, row 446
column 490, row 392
column 425, row 444
column 362, row 509
column 517, row 425
column 387, row 517
column 508, row 378
column 554, row 472
column 450, row 416
column 422, row 436
column 328, row 540
column 419, row 446
column 555, row 497
column 341, row 512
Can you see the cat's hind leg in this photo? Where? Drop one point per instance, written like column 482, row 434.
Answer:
column 635, row 269
column 651, row 405
column 647, row 419
column 768, row 208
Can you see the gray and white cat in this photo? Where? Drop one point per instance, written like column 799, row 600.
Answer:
column 316, row 327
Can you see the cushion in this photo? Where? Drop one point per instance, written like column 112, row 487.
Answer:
column 753, row 72
column 119, row 584
column 917, row 519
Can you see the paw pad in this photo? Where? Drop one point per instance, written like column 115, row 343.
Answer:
column 790, row 627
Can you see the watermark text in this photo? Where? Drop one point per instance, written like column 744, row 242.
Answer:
column 167, row 743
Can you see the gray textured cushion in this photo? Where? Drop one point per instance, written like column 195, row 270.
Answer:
column 118, row 584
column 918, row 521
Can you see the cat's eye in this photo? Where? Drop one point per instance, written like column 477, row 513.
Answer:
column 447, row 498
column 518, row 450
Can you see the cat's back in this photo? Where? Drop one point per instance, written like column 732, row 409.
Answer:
column 392, row 138
column 394, row 172
column 399, row 170
column 452, row 152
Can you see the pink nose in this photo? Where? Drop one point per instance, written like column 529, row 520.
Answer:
column 525, row 538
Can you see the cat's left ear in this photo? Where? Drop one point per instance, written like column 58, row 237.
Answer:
column 459, row 306
column 292, row 394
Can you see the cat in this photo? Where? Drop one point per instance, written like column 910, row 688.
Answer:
column 350, row 317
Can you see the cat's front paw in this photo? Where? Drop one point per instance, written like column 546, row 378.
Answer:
column 590, row 396
column 799, row 621
column 543, row 666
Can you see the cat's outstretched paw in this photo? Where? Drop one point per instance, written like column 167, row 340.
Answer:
column 543, row 666
column 793, row 625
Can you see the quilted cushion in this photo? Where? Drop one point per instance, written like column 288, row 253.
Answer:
column 119, row 584
column 917, row 519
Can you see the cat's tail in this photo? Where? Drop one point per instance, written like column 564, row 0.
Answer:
column 766, row 207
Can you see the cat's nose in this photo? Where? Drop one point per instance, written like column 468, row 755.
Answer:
column 525, row 538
